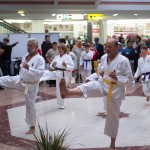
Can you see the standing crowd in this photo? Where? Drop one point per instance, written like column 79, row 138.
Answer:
column 108, row 67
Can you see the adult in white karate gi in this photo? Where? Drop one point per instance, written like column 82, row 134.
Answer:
column 115, row 71
column 85, row 62
column 31, row 70
column 95, row 77
column 61, row 65
column 144, row 70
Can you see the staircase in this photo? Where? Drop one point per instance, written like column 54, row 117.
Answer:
column 9, row 28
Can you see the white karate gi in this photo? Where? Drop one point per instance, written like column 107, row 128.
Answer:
column 74, row 58
column 122, row 68
column 85, row 62
column 144, row 70
column 95, row 77
column 31, row 78
column 57, row 75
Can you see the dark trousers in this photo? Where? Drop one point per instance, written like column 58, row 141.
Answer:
column 5, row 67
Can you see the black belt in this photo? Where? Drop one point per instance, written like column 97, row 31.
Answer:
column 60, row 69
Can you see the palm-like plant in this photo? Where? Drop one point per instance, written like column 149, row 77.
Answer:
column 47, row 141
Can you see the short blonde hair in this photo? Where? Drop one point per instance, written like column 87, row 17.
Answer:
column 144, row 47
column 63, row 47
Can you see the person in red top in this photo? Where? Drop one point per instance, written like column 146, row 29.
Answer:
column 39, row 51
column 95, row 57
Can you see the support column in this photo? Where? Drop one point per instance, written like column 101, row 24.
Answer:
column 103, row 31
column 89, row 31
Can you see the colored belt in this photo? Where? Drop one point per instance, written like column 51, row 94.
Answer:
column 86, row 62
column 26, row 82
column 144, row 76
column 109, row 93
column 95, row 66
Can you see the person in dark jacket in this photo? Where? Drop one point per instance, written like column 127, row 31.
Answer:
column 45, row 46
column 129, row 51
column 5, row 61
column 130, row 54
column 1, row 74
column 99, row 47
column 137, row 51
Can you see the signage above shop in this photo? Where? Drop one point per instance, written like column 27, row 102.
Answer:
column 95, row 16
column 69, row 16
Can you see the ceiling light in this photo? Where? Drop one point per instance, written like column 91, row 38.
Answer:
column 20, row 12
column 135, row 14
column 115, row 14
column 53, row 15
column 17, row 21
column 22, row 15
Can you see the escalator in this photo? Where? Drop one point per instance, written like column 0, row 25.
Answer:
column 9, row 28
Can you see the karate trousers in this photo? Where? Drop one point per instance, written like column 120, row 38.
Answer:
column 30, row 97
column 146, row 88
column 112, row 119
column 53, row 75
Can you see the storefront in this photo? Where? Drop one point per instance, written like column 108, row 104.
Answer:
column 126, row 27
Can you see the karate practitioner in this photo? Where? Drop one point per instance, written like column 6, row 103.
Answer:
column 60, row 67
column 144, row 70
column 31, row 70
column 115, row 73
column 85, row 62
column 95, row 77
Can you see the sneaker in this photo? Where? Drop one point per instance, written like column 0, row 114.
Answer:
column 133, row 82
column 62, row 107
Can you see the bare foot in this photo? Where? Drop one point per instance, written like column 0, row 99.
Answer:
column 112, row 144
column 112, row 148
column 31, row 130
column 63, row 88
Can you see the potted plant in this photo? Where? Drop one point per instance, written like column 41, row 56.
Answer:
column 51, row 141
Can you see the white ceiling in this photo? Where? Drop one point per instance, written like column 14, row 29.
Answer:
column 42, row 9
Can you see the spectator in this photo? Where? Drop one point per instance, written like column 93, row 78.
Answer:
column 95, row 58
column 39, row 51
column 77, row 50
column 6, row 56
column 137, row 45
column 120, row 49
column 99, row 47
column 130, row 54
column 1, row 74
column 50, row 55
column 45, row 46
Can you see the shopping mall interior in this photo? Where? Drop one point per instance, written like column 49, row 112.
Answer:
column 83, row 119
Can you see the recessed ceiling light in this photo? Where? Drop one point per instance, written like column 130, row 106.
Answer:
column 135, row 14
column 115, row 14
column 20, row 12
column 53, row 15
column 22, row 15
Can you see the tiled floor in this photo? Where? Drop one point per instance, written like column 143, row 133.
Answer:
column 12, row 135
